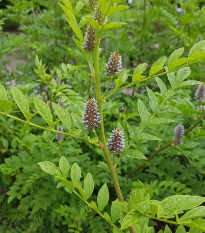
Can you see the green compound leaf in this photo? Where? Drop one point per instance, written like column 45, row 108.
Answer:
column 140, row 68
column 146, row 136
column 160, row 62
column 162, row 86
column 88, row 185
column 76, row 29
column 69, row 14
column 21, row 102
column 131, row 219
column 43, row 110
column 159, row 121
column 66, row 182
column 175, row 55
column 137, row 77
column 197, row 47
column 177, row 63
column 64, row 166
column 103, row 197
column 143, row 112
column 63, row 115
column 5, row 105
column 153, row 100
column 178, row 203
column 118, row 83
column 194, row 213
column 116, row 212
column 75, row 173
column 155, row 69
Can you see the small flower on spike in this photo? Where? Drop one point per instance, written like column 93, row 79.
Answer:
column 201, row 108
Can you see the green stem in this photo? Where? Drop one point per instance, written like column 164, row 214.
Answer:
column 87, row 203
column 101, row 126
column 47, row 129
column 143, row 26
column 161, row 219
column 90, row 63
column 108, row 86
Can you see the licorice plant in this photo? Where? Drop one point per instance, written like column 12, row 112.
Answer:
column 87, row 125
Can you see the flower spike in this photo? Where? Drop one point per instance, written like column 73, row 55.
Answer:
column 89, row 39
column 59, row 137
column 200, row 92
column 114, row 65
column 91, row 114
column 178, row 134
column 116, row 142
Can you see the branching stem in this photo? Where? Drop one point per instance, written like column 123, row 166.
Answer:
column 147, row 78
column 168, row 144
column 47, row 129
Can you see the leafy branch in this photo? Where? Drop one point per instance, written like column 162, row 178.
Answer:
column 168, row 144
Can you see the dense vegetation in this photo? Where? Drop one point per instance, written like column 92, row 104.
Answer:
column 55, row 175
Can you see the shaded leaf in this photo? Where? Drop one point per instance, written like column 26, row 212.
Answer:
column 143, row 112
column 146, row 136
column 131, row 219
column 135, row 154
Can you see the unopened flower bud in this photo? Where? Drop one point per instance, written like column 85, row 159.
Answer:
column 97, row 16
column 89, row 39
column 114, row 65
column 44, row 96
column 91, row 114
column 61, row 103
column 201, row 108
column 178, row 134
column 200, row 92
column 93, row 2
column 199, row 38
column 59, row 136
column 116, row 142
